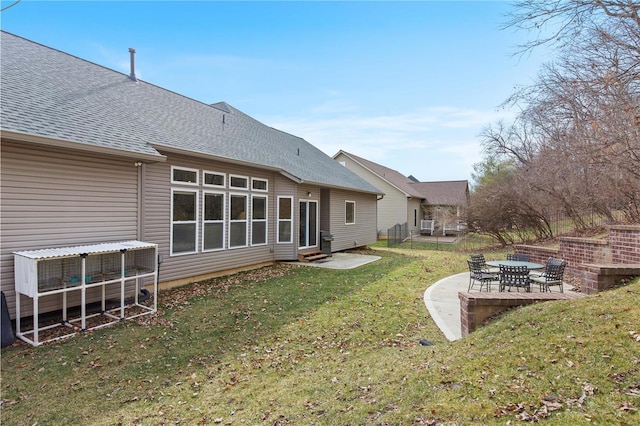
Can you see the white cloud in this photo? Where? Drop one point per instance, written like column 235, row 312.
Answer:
column 442, row 139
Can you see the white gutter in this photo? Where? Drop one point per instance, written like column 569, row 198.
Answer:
column 96, row 149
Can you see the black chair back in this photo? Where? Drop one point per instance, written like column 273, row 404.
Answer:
column 475, row 266
column 521, row 257
column 554, row 270
column 514, row 276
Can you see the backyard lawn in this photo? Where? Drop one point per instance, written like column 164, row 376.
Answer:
column 297, row 345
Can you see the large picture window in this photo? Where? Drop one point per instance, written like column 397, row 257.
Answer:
column 258, row 220
column 238, row 221
column 184, row 221
column 285, row 219
column 349, row 212
column 206, row 216
column 213, row 221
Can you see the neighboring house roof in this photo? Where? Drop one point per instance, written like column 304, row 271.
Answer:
column 50, row 94
column 393, row 177
column 444, row 193
column 441, row 193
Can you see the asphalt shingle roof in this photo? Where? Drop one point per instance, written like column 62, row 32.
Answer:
column 443, row 193
column 394, row 177
column 49, row 93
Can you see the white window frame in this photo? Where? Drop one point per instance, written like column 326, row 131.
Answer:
column 245, row 220
column 246, row 178
column 222, row 221
column 195, row 221
column 346, row 204
column 290, row 220
column 266, row 181
column 186, row 169
column 209, row 185
column 265, row 220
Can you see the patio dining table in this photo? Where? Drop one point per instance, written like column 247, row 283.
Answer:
column 530, row 265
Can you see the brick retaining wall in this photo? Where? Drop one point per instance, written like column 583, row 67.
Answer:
column 625, row 244
column 537, row 254
column 475, row 308
column 598, row 264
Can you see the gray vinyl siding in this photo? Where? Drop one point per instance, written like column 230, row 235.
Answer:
column 57, row 198
column 286, row 188
column 392, row 208
column 363, row 231
column 157, row 219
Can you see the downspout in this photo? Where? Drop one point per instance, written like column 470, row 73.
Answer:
column 140, row 201
column 141, row 168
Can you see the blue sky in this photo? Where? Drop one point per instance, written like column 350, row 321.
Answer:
column 409, row 85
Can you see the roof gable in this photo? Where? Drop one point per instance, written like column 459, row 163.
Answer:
column 391, row 176
column 443, row 193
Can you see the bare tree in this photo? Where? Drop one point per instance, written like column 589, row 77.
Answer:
column 576, row 141
column 564, row 22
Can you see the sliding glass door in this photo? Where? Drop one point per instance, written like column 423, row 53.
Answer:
column 308, row 224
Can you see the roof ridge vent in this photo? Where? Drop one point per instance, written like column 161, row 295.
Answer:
column 132, row 53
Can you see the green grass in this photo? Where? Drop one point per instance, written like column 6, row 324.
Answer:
column 297, row 345
column 471, row 242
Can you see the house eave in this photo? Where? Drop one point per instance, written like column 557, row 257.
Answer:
column 208, row 156
column 78, row 146
column 345, row 188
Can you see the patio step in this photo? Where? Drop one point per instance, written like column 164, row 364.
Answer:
column 310, row 256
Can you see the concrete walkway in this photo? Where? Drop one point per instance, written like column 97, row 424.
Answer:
column 341, row 261
column 442, row 302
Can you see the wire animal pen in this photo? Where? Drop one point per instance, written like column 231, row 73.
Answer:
column 397, row 234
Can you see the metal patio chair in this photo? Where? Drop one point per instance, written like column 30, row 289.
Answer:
column 479, row 276
column 514, row 276
column 552, row 276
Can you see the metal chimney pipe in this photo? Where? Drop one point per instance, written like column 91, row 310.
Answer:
column 132, row 52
